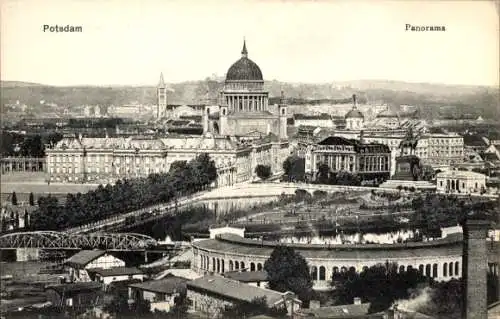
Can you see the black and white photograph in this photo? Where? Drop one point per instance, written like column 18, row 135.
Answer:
column 217, row 159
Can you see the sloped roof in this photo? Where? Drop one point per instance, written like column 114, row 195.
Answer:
column 117, row 271
column 342, row 311
column 247, row 276
column 75, row 288
column 336, row 140
column 234, row 290
column 84, row 257
column 168, row 285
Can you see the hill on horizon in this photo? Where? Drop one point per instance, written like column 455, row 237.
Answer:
column 481, row 100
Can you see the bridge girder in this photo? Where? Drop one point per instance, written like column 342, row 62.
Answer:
column 60, row 240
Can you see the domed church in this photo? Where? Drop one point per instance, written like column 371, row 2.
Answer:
column 244, row 105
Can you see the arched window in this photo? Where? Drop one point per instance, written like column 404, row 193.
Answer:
column 457, row 271
column 401, row 269
column 259, row 267
column 445, row 270
column 213, row 264
column 252, row 267
column 343, row 269
column 434, row 271
column 335, row 270
column 322, row 273
column 314, row 273
column 236, row 265
column 242, row 265
column 450, row 269
column 365, row 268
column 428, row 270
column 218, row 265
column 352, row 269
column 421, row 269
column 409, row 268
column 230, row 265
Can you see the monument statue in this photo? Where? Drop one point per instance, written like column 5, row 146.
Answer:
column 408, row 165
column 410, row 141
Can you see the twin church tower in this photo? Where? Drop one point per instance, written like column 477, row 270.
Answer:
column 243, row 104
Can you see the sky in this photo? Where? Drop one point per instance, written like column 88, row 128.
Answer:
column 129, row 42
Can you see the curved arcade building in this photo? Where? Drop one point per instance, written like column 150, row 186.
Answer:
column 439, row 259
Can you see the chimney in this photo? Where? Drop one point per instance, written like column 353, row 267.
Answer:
column 357, row 301
column 354, row 100
column 474, row 268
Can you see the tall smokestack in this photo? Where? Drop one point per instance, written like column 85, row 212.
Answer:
column 354, row 100
column 474, row 268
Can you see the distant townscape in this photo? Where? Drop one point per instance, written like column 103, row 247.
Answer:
column 237, row 197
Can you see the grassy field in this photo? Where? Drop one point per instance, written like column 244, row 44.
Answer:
column 24, row 183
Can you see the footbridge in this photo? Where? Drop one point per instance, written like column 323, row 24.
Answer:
column 65, row 241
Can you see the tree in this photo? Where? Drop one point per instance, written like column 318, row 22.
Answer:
column 32, row 200
column 288, row 271
column 263, row 171
column 294, row 168
column 323, row 173
column 380, row 285
column 14, row 198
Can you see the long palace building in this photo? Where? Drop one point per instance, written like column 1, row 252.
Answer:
column 241, row 135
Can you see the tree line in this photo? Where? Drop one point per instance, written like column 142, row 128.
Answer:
column 16, row 144
column 126, row 195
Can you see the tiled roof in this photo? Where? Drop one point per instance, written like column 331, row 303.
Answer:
column 336, row 140
column 343, row 311
column 83, row 257
column 168, row 285
column 474, row 140
column 199, row 143
column 117, row 271
column 247, row 276
column 76, row 287
column 233, row 289
column 110, row 143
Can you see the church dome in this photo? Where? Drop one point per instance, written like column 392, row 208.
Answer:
column 244, row 69
column 354, row 113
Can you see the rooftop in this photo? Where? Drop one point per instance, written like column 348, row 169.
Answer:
column 117, row 271
column 234, row 290
column 343, row 311
column 167, row 285
column 251, row 247
column 460, row 174
column 247, row 276
column 74, row 288
column 84, row 257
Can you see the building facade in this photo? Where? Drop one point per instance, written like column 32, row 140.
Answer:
column 317, row 120
column 462, row 182
column 440, row 259
column 242, row 135
column 212, row 293
column 353, row 156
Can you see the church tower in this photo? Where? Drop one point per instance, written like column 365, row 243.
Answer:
column 223, row 125
column 161, row 92
column 282, row 109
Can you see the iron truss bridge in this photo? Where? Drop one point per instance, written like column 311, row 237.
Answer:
column 60, row 240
